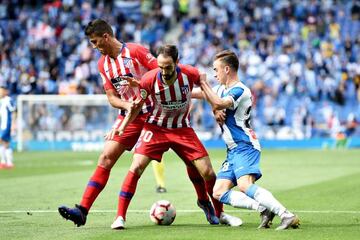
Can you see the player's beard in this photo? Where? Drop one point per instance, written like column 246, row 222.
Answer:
column 169, row 77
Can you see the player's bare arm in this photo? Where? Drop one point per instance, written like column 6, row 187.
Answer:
column 116, row 101
column 216, row 102
column 197, row 93
column 131, row 115
column 220, row 115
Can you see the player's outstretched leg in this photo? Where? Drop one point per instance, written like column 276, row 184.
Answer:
column 77, row 214
column 239, row 200
column 266, row 199
column 95, row 185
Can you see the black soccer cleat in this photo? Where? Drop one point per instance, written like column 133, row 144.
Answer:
column 77, row 214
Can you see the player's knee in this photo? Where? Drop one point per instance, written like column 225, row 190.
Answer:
column 208, row 174
column 244, row 185
column 245, row 182
column 138, row 165
column 217, row 193
column 105, row 161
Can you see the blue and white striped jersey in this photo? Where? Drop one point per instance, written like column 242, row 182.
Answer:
column 6, row 108
column 236, row 129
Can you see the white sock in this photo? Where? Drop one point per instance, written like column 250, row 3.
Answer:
column 2, row 155
column 266, row 199
column 241, row 200
column 9, row 156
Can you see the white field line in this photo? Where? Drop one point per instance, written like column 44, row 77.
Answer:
column 185, row 211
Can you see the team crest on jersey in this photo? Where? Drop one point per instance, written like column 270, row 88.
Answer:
column 143, row 93
column 127, row 62
column 185, row 89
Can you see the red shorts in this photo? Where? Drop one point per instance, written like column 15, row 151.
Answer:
column 155, row 140
column 132, row 131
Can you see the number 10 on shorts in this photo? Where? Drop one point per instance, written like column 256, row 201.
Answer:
column 145, row 136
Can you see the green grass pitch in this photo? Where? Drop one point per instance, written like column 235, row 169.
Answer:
column 321, row 186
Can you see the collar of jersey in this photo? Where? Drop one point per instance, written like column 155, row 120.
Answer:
column 122, row 48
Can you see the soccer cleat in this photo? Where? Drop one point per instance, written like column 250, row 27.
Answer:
column 266, row 218
column 118, row 224
column 160, row 189
column 230, row 220
column 291, row 221
column 209, row 211
column 77, row 214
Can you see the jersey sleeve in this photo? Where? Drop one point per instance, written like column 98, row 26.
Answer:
column 193, row 74
column 235, row 94
column 145, row 57
column 105, row 80
column 146, row 85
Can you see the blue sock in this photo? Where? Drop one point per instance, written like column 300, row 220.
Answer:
column 251, row 190
column 225, row 198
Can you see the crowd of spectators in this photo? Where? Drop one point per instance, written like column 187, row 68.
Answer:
column 301, row 59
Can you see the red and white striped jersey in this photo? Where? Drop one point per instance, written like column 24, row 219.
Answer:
column 134, row 60
column 171, row 102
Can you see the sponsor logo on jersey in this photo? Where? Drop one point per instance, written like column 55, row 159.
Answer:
column 118, row 82
column 173, row 105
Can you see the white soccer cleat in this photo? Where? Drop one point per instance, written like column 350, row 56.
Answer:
column 230, row 220
column 289, row 221
column 118, row 224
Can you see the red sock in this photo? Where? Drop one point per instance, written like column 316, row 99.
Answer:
column 95, row 186
column 127, row 192
column 198, row 182
column 209, row 188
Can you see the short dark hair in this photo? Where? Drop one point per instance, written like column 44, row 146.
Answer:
column 229, row 58
column 168, row 51
column 98, row 27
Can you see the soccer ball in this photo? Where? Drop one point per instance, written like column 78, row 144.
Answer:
column 162, row 212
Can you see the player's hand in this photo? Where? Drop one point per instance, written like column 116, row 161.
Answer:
column 135, row 104
column 128, row 106
column 110, row 135
column 220, row 116
column 203, row 79
column 133, row 82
